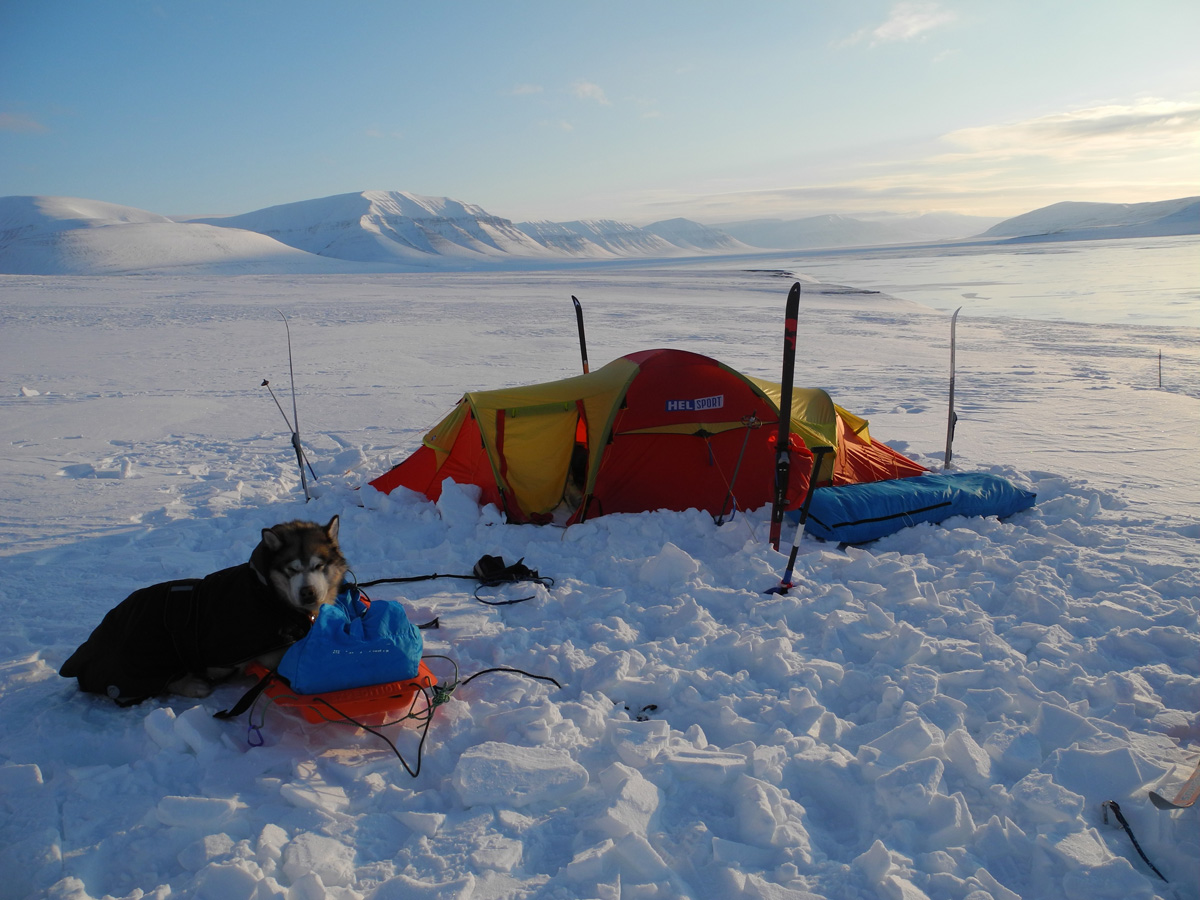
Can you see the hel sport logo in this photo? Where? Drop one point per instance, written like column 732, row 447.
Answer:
column 697, row 405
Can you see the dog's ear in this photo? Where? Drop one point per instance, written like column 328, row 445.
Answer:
column 332, row 529
column 271, row 540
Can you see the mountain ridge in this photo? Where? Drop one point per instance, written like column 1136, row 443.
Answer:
column 382, row 231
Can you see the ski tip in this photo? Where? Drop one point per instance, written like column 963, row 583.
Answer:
column 1163, row 803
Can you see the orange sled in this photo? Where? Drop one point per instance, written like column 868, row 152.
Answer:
column 374, row 704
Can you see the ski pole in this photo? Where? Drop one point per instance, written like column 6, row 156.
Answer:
column 294, row 424
column 786, row 581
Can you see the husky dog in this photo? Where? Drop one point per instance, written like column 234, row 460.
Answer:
column 181, row 636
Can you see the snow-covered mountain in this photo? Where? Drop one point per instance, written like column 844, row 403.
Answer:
column 815, row 232
column 603, row 238
column 700, row 238
column 1072, row 221
column 383, row 231
column 73, row 236
column 388, row 227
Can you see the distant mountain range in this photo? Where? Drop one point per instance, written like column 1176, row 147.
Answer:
column 389, row 231
column 1098, row 221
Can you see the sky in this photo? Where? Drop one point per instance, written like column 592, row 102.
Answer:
column 637, row 111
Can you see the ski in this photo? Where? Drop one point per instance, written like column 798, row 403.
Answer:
column 582, row 339
column 952, row 416
column 782, row 458
column 1184, row 797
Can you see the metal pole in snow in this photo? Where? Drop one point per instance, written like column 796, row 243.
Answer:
column 952, row 416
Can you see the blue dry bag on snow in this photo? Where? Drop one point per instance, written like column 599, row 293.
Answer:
column 353, row 643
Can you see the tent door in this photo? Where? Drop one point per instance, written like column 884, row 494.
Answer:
column 543, row 455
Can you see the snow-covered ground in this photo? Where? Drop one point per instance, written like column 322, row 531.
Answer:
column 939, row 714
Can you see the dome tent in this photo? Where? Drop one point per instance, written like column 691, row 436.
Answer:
column 657, row 429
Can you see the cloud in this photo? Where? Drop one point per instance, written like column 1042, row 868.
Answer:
column 21, row 124
column 525, row 89
column 1120, row 153
column 909, row 19
column 585, row 90
column 1111, row 129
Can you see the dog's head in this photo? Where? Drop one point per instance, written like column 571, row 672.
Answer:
column 302, row 562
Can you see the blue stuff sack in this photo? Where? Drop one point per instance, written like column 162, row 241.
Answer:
column 354, row 643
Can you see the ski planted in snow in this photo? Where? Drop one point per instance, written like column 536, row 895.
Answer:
column 1184, row 797
column 952, row 417
column 582, row 338
column 782, row 458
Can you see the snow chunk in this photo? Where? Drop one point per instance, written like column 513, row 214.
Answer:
column 494, row 851
column 227, row 881
column 672, row 567
column 420, row 822
column 636, row 802
column 639, row 743
column 1046, row 801
column 198, row 729
column 329, row 859
column 459, row 503
column 196, row 812
column 404, row 888
column 19, row 777
column 504, row 774
column 313, row 792
column 768, row 819
column 160, row 725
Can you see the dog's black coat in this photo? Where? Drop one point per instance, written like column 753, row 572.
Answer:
column 161, row 633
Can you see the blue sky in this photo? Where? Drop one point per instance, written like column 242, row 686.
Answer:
column 640, row 111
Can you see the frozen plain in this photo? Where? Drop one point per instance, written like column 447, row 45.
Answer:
column 937, row 714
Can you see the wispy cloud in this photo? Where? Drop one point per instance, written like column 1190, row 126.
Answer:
column 21, row 124
column 525, row 89
column 1119, row 153
column 1160, row 124
column 907, row 20
column 586, row 90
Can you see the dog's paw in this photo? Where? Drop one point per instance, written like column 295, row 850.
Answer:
column 190, row 686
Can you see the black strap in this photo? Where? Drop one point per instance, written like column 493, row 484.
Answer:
column 490, row 571
column 1112, row 804
column 247, row 699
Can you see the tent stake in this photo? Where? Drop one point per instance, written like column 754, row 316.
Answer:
column 952, row 416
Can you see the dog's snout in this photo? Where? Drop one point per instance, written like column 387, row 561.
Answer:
column 308, row 593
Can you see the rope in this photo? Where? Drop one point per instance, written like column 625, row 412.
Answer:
column 434, row 696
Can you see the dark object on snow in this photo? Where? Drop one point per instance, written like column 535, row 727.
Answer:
column 182, row 635
column 160, row 633
column 857, row 513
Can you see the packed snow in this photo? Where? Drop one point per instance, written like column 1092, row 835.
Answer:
column 939, row 714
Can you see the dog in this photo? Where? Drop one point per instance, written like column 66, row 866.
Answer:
column 181, row 637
